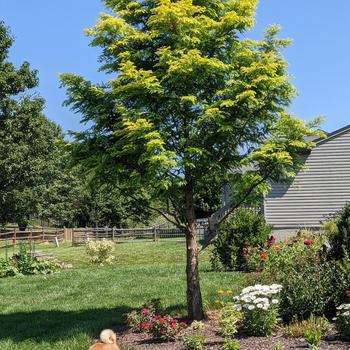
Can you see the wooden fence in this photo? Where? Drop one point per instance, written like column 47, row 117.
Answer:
column 77, row 236
column 15, row 236
column 150, row 234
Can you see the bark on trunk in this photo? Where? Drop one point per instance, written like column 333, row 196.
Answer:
column 194, row 295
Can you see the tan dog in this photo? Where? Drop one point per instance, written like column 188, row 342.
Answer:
column 109, row 341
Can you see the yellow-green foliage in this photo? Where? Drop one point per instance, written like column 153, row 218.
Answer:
column 298, row 329
column 100, row 252
column 189, row 98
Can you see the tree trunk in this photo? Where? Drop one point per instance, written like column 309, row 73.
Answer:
column 194, row 295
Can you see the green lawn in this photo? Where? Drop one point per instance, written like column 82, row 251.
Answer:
column 64, row 311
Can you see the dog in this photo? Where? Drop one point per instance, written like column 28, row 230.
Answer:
column 109, row 341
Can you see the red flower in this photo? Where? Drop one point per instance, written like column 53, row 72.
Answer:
column 183, row 324
column 347, row 292
column 246, row 256
column 162, row 332
column 146, row 312
column 245, row 249
column 309, row 242
column 254, row 249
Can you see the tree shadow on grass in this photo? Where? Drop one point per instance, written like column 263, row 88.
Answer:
column 53, row 326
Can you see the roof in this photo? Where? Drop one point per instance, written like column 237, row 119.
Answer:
column 332, row 135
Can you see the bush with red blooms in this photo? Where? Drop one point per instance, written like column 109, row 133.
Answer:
column 164, row 327
column 136, row 318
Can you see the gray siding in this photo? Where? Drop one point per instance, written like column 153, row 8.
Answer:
column 320, row 190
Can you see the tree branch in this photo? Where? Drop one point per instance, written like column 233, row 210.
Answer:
column 213, row 230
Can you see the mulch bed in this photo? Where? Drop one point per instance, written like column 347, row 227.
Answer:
column 140, row 341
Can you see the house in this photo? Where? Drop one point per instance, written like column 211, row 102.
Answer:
column 317, row 192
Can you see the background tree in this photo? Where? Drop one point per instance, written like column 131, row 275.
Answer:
column 32, row 150
column 190, row 103
column 102, row 204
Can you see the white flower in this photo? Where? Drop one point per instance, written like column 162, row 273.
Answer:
column 238, row 307
column 251, row 307
column 274, row 301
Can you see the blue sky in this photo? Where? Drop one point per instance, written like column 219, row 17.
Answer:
column 49, row 34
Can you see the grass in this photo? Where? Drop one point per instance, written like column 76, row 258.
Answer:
column 66, row 310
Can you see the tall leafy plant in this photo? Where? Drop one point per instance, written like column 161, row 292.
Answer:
column 189, row 99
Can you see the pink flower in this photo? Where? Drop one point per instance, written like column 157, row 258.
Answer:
column 272, row 241
column 246, row 256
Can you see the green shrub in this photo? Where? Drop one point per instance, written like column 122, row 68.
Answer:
column 340, row 240
column 330, row 227
column 7, row 269
column 230, row 344
column 229, row 320
column 278, row 346
column 194, row 342
column 23, row 263
column 313, row 336
column 100, row 252
column 342, row 322
column 297, row 329
column 193, row 337
column 241, row 230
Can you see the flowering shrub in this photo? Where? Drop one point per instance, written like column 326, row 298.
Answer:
column 259, row 306
column 342, row 321
column 164, row 327
column 100, row 252
column 243, row 229
column 137, row 318
column 310, row 282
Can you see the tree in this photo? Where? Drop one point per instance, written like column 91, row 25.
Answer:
column 31, row 146
column 190, row 102
column 101, row 204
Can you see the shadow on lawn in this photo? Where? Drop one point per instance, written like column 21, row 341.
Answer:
column 59, row 325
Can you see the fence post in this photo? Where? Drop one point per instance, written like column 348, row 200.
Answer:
column 42, row 234
column 155, row 233
column 14, row 237
column 73, row 238
column 86, row 234
column 113, row 233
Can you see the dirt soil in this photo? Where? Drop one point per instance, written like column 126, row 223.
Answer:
column 215, row 341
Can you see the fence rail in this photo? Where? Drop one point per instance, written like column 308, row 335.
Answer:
column 13, row 237
column 154, row 234
column 80, row 236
